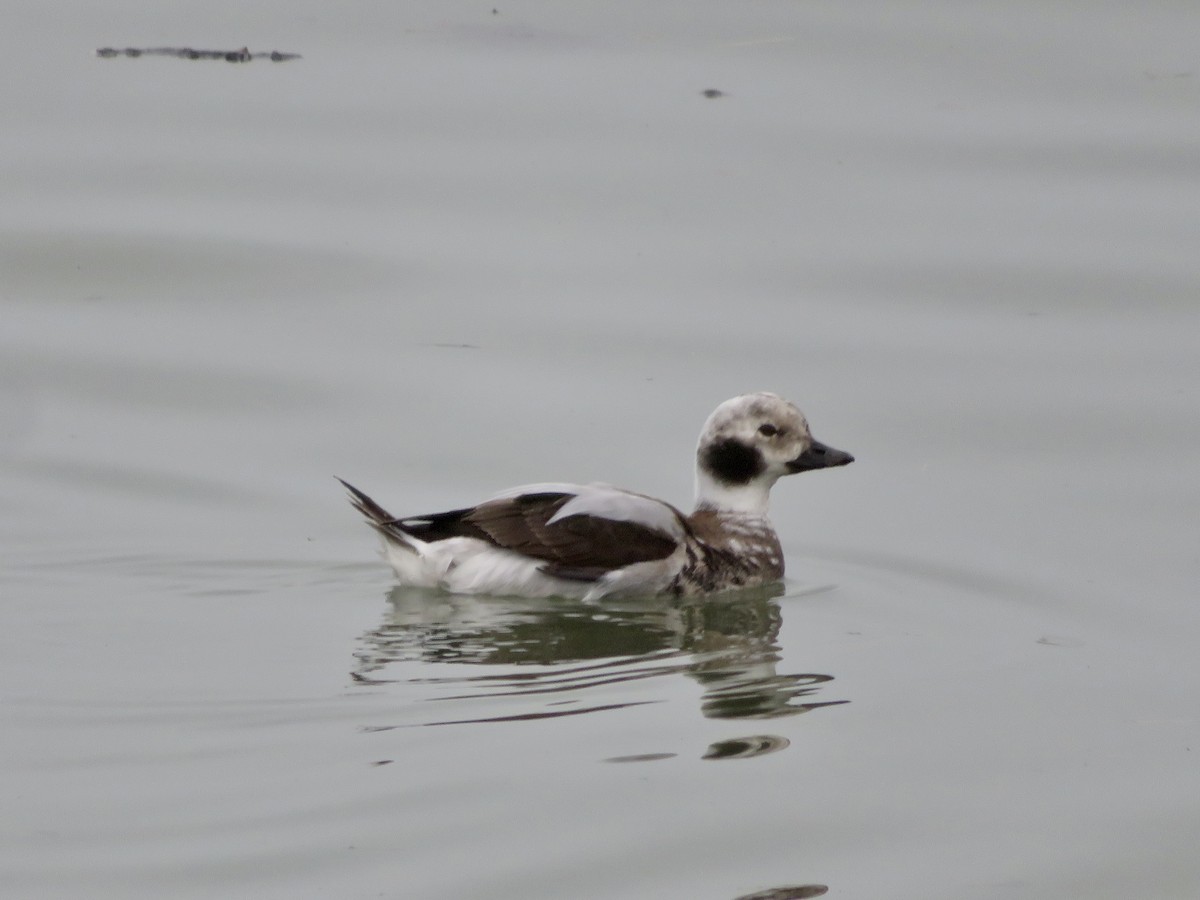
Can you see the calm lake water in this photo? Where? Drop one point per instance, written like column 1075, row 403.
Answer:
column 453, row 249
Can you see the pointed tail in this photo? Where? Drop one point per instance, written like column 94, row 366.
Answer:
column 377, row 517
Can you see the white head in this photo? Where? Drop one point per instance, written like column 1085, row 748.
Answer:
column 748, row 444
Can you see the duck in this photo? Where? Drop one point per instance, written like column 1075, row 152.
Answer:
column 594, row 541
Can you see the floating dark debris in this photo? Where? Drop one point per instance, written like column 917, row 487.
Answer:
column 712, row 93
column 236, row 56
column 789, row 892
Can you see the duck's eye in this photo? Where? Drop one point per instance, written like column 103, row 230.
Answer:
column 768, row 430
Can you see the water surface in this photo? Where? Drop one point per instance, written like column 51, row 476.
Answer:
column 451, row 250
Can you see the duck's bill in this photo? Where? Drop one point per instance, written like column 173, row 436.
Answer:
column 820, row 456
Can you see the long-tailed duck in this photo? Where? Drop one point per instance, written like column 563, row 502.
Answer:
column 593, row 540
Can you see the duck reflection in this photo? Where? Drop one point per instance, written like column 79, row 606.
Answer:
column 726, row 643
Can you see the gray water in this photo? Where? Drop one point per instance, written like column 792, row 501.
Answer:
column 451, row 250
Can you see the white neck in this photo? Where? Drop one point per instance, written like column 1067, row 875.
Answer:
column 743, row 499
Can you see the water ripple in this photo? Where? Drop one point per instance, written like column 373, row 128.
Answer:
column 517, row 659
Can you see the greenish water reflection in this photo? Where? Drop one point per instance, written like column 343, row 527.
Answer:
column 531, row 647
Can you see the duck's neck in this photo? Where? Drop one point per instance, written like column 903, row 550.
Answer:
column 740, row 499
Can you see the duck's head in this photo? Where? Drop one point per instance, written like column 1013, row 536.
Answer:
column 749, row 443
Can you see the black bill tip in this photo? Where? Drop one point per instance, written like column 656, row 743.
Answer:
column 819, row 456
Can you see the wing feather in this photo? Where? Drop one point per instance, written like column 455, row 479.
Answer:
column 579, row 545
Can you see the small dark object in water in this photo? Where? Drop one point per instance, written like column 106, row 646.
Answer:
column 712, row 93
column 744, row 748
column 234, row 56
column 788, row 892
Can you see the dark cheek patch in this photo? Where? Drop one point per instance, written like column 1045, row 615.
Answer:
column 733, row 462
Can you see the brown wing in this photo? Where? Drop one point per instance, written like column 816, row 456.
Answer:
column 581, row 547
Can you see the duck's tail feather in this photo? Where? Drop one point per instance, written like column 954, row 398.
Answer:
column 377, row 517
